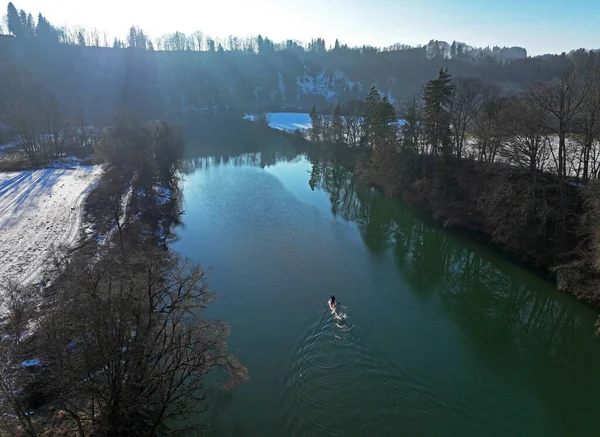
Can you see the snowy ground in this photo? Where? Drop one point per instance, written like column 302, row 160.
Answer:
column 290, row 121
column 287, row 121
column 39, row 209
column 6, row 148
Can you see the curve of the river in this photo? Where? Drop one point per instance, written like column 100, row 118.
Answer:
column 437, row 335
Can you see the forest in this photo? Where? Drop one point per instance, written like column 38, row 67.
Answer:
column 521, row 168
column 178, row 74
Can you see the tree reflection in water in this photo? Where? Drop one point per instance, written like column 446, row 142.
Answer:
column 509, row 314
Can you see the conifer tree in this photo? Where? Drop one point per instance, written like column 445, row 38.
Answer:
column 44, row 30
column 337, row 125
column 438, row 95
column 369, row 109
column 14, row 21
column 384, row 123
column 316, row 129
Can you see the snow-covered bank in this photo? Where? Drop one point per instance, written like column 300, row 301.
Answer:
column 287, row 121
column 291, row 121
column 39, row 210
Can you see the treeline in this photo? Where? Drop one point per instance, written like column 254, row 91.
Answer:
column 178, row 73
column 523, row 168
column 117, row 344
column 46, row 132
column 22, row 25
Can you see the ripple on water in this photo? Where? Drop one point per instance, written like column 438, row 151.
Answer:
column 331, row 374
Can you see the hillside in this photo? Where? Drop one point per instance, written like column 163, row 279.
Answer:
column 157, row 83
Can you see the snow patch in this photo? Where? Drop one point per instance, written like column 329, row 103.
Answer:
column 329, row 86
column 320, row 85
column 286, row 121
column 292, row 121
column 39, row 210
column 34, row 362
column 5, row 147
column 164, row 195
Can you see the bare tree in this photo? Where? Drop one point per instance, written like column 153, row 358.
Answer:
column 94, row 37
column 13, row 413
column 412, row 129
column 41, row 130
column 128, row 342
column 199, row 37
column 351, row 112
column 19, row 306
column 487, row 131
column 561, row 98
column 464, row 108
column 586, row 124
column 18, row 303
column 527, row 142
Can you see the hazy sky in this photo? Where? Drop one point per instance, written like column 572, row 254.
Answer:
column 541, row 26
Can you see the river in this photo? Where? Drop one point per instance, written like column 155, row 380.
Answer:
column 440, row 335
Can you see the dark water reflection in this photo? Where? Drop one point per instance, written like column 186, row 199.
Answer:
column 444, row 335
column 509, row 314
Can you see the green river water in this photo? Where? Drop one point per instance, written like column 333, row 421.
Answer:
column 442, row 335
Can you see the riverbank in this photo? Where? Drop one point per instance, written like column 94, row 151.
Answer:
column 530, row 218
column 79, row 356
column 543, row 222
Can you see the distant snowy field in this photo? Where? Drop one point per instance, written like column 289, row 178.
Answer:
column 291, row 121
column 287, row 121
column 39, row 209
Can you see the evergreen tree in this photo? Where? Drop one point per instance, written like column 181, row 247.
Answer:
column 337, row 125
column 45, row 31
column 81, row 38
column 369, row 110
column 132, row 38
column 14, row 21
column 384, row 125
column 383, row 135
column 337, row 45
column 23, row 20
column 438, row 95
column 316, row 121
column 30, row 26
column 260, row 44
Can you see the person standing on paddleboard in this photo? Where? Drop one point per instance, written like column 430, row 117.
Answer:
column 332, row 302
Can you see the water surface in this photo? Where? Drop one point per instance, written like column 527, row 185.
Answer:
column 442, row 336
